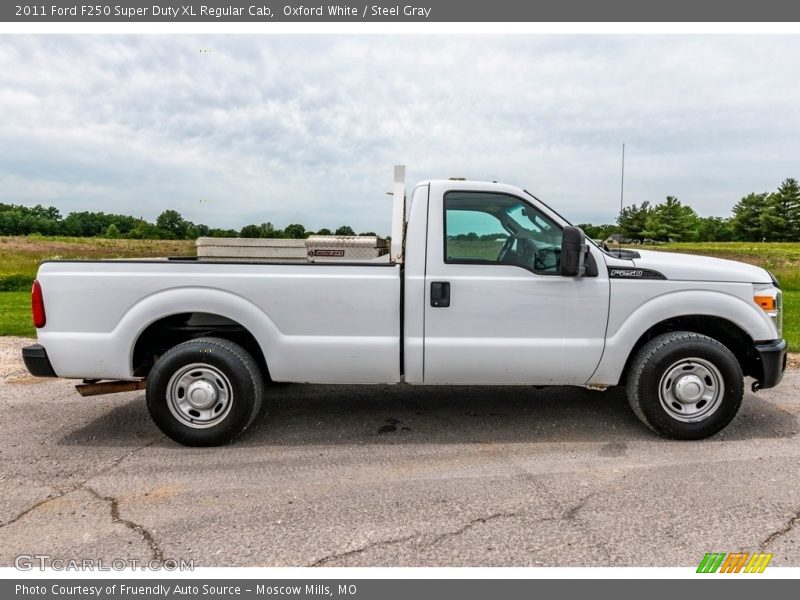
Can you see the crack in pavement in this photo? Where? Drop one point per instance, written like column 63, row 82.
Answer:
column 790, row 524
column 61, row 493
column 158, row 553
column 468, row 526
column 335, row 556
column 114, row 463
column 442, row 536
column 571, row 514
column 32, row 507
column 568, row 515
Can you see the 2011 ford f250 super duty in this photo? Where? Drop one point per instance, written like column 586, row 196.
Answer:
column 484, row 285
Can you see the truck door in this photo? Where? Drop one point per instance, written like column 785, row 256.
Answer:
column 496, row 309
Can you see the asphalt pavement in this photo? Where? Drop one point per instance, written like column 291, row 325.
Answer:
column 395, row 476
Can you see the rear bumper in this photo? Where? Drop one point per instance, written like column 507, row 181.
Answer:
column 36, row 361
column 773, row 362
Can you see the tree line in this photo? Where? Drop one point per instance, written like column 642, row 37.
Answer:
column 767, row 216
column 757, row 217
column 16, row 219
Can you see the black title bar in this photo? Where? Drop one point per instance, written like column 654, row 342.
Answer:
column 186, row 11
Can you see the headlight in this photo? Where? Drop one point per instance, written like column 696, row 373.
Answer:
column 770, row 300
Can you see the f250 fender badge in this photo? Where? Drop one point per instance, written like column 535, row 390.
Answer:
column 621, row 273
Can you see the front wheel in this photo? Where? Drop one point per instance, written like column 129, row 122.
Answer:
column 685, row 385
column 204, row 392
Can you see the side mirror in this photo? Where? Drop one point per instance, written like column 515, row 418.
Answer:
column 573, row 252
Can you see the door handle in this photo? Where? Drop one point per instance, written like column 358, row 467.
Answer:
column 440, row 294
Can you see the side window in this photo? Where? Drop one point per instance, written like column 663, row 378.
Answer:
column 490, row 228
column 474, row 235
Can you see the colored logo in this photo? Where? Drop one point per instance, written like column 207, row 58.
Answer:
column 735, row 562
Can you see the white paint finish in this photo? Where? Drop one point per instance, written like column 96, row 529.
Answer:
column 414, row 286
column 636, row 306
column 333, row 323
column 505, row 324
column 676, row 266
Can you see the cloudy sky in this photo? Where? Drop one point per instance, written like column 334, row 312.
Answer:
column 238, row 129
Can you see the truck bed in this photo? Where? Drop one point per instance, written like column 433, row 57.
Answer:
column 329, row 322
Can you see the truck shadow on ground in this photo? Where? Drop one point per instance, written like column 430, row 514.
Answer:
column 306, row 414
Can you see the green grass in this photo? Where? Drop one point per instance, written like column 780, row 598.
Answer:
column 791, row 320
column 15, row 314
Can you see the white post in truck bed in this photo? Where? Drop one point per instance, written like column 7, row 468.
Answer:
column 398, row 214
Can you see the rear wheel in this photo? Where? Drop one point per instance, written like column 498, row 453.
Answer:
column 685, row 385
column 204, row 392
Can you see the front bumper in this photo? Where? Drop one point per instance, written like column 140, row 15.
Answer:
column 772, row 356
column 36, row 361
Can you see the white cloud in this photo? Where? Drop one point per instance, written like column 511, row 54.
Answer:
column 306, row 128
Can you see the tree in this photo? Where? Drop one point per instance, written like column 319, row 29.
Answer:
column 746, row 220
column 172, row 222
column 345, row 230
column 295, row 231
column 324, row 231
column 714, row 229
column 250, row 231
column 631, row 221
column 780, row 219
column 598, row 232
column 366, row 233
column 112, row 231
column 147, row 231
column 223, row 233
column 589, row 229
column 671, row 221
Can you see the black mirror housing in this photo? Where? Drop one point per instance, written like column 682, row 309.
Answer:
column 573, row 252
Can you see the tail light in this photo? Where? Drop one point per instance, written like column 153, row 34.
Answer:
column 37, row 305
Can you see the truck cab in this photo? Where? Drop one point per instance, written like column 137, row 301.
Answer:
column 485, row 297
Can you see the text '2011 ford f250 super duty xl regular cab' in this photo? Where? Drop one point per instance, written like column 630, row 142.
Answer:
column 484, row 285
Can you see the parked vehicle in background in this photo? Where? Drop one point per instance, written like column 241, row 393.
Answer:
column 484, row 284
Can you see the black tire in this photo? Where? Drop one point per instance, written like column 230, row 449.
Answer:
column 662, row 393
column 210, row 371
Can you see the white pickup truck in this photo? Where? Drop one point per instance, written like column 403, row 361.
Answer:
column 484, row 285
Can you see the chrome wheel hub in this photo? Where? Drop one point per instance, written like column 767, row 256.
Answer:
column 691, row 390
column 199, row 395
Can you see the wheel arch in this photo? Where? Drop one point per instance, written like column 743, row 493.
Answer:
column 168, row 318
column 723, row 330
column 720, row 315
column 171, row 330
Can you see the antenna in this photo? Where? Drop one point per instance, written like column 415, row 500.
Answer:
column 622, row 182
column 621, row 191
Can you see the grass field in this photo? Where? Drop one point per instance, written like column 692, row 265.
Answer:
column 20, row 256
column 15, row 314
